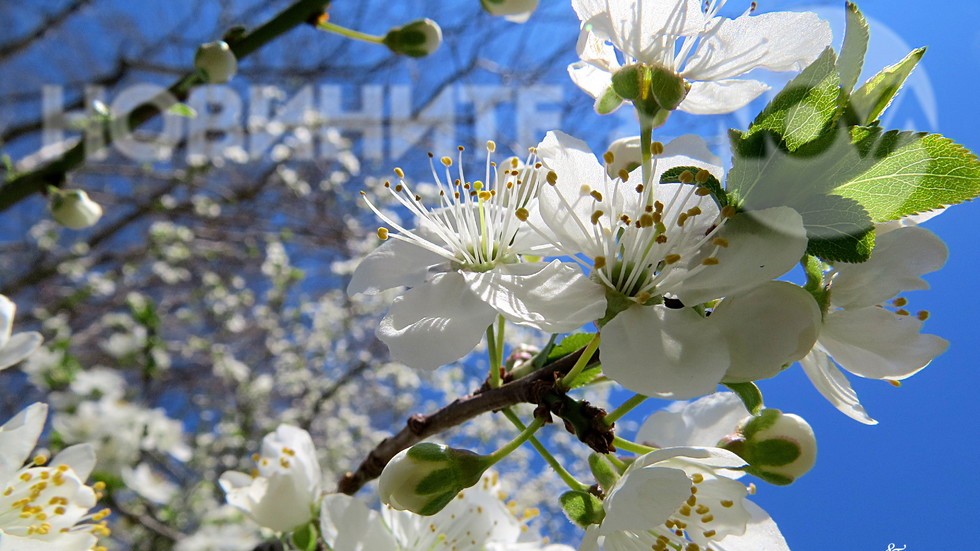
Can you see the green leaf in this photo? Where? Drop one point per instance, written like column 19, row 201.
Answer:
column 582, row 508
column 870, row 101
column 571, row 343
column 603, row 471
column 838, row 228
column 856, row 37
column 805, row 108
column 586, row 376
column 913, row 173
column 750, row 395
column 182, row 110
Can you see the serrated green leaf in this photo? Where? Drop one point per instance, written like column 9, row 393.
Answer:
column 750, row 395
column 914, row 173
column 869, row 101
column 586, row 376
column 805, row 108
column 182, row 110
column 582, row 508
column 571, row 343
column 673, row 176
column 851, row 59
column 839, row 230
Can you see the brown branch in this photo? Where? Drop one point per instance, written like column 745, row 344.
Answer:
column 418, row 426
column 17, row 45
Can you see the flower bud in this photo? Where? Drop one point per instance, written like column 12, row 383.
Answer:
column 626, row 155
column 73, row 209
column 779, row 447
column 517, row 11
column 416, row 39
column 651, row 88
column 217, row 61
column 426, row 477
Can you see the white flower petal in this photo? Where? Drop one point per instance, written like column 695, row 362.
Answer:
column 638, row 28
column 899, row 258
column 775, row 324
column 661, row 352
column 779, row 41
column 644, row 499
column 394, row 263
column 723, row 96
column 348, row 525
column 833, row 385
column 70, row 541
column 80, row 457
column 761, row 533
column 7, row 312
column 702, row 422
column 19, row 347
column 436, row 323
column 762, row 245
column 879, row 344
column 555, row 297
column 685, row 456
column 19, row 435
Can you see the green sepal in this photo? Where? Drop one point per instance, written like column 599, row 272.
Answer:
column 182, row 110
column 305, row 538
column 750, row 395
column 608, row 102
column 868, row 102
column 582, row 508
column 603, row 471
column 851, row 59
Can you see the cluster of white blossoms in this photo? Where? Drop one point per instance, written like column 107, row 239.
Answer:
column 680, row 278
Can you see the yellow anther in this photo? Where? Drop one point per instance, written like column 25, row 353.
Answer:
column 382, row 235
column 646, row 220
column 694, row 211
column 596, row 195
column 686, row 177
column 623, row 174
column 59, row 510
column 692, row 501
column 726, row 503
column 697, row 478
column 643, row 297
column 900, row 301
column 284, row 462
column 685, row 510
column 661, row 239
column 491, row 146
column 702, row 509
column 99, row 486
column 719, row 242
column 751, row 488
column 902, row 312
column 672, row 258
column 608, row 157
column 728, row 212
column 522, row 214
column 398, row 172
column 702, row 176
column 710, row 261
column 896, row 384
column 709, row 533
column 446, row 161
column 702, row 191
column 26, row 477
column 552, row 177
column 599, row 262
column 40, row 460
column 682, row 218
column 596, row 216
column 101, row 515
column 923, row 315
column 399, row 188
column 657, row 148
column 639, row 188
column 485, row 195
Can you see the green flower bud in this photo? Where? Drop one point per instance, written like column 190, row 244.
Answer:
column 216, row 61
column 603, row 471
column 73, row 209
column 779, row 447
column 426, row 477
column 416, row 39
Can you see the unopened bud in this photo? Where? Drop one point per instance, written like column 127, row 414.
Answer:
column 416, row 39
column 426, row 477
column 779, row 447
column 517, row 11
column 217, row 61
column 73, row 209
column 626, row 155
